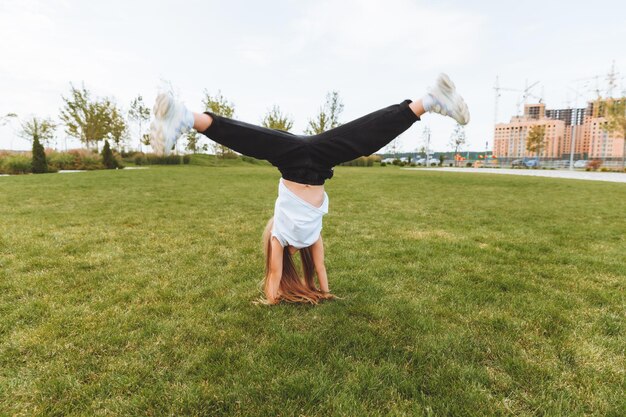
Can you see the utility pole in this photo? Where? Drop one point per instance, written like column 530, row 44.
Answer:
column 572, row 148
column 427, row 136
column 486, row 150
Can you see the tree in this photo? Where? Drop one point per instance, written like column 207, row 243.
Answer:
column 193, row 141
column 90, row 120
column 108, row 159
column 457, row 139
column 535, row 140
column 275, row 119
column 6, row 118
column 37, row 129
column 139, row 113
column 117, row 125
column 616, row 121
column 145, row 139
column 40, row 165
column 393, row 147
column 328, row 116
column 220, row 106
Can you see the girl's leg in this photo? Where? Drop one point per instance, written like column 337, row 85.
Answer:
column 201, row 121
column 278, row 147
column 368, row 134
column 365, row 135
column 172, row 118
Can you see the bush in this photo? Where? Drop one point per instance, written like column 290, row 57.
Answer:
column 363, row 161
column 383, row 164
column 594, row 164
column 228, row 154
column 90, row 163
column 130, row 154
column 85, row 159
column 139, row 159
column 153, row 159
column 16, row 164
column 468, row 164
column 61, row 160
column 248, row 159
column 108, row 159
column 604, row 169
column 39, row 164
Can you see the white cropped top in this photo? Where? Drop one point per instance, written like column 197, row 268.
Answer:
column 297, row 222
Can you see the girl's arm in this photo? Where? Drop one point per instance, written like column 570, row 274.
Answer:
column 317, row 251
column 275, row 273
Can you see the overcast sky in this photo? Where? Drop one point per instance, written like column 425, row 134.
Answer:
column 292, row 52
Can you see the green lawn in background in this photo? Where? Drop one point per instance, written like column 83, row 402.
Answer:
column 131, row 293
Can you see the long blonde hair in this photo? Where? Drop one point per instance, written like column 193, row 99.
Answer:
column 293, row 288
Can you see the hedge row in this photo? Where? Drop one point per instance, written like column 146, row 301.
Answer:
column 75, row 159
column 139, row 158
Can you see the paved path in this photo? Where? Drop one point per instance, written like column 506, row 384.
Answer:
column 577, row 175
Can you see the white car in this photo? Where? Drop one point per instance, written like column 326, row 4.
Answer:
column 582, row 163
column 422, row 161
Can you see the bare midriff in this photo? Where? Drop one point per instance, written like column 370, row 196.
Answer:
column 312, row 194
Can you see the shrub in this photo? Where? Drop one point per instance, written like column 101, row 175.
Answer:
column 363, row 161
column 594, row 164
column 383, row 164
column 39, row 164
column 62, row 160
column 140, row 159
column 90, row 163
column 228, row 154
column 130, row 154
column 248, row 159
column 16, row 164
column 153, row 159
column 604, row 169
column 468, row 164
column 80, row 152
column 108, row 160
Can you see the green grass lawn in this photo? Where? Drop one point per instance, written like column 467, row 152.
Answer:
column 126, row 293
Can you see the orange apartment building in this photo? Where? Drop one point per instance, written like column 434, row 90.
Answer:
column 601, row 144
column 510, row 138
column 584, row 125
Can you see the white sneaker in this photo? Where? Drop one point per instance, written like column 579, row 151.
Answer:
column 444, row 99
column 171, row 120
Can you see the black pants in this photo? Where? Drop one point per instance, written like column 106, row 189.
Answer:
column 310, row 159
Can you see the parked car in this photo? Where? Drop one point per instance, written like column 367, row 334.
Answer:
column 422, row 161
column 531, row 163
column 581, row 163
column 528, row 163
